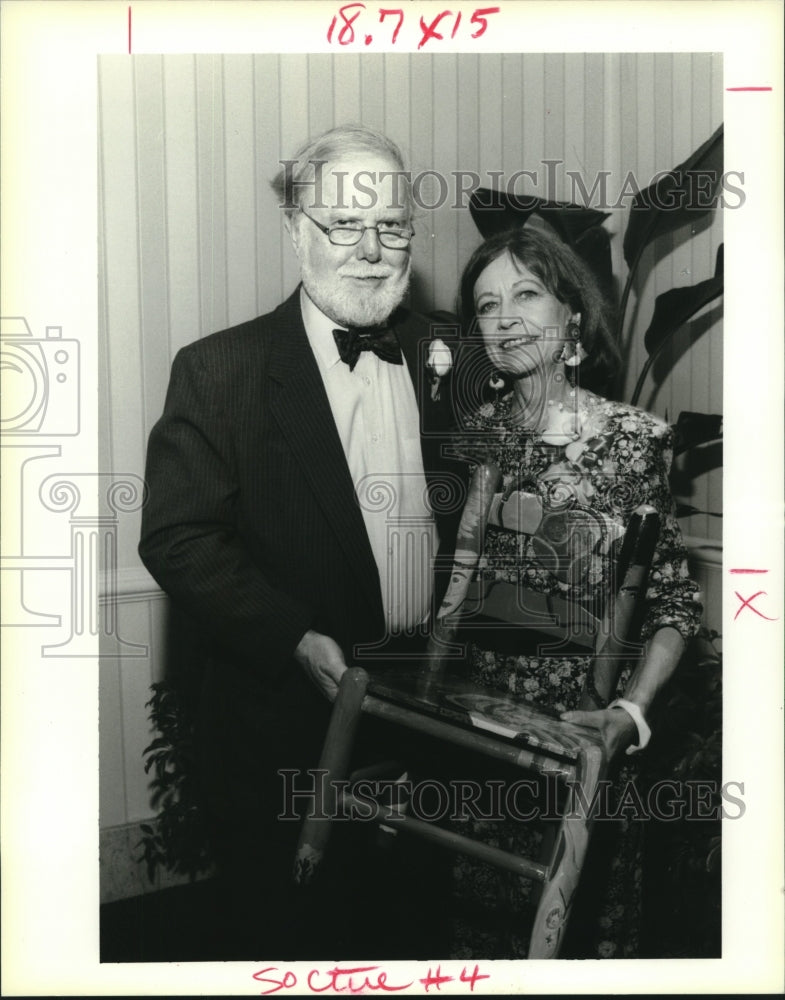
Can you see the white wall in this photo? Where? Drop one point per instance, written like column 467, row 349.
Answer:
column 191, row 239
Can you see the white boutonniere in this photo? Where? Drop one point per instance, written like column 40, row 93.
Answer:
column 438, row 365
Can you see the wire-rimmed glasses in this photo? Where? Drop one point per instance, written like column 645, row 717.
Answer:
column 393, row 237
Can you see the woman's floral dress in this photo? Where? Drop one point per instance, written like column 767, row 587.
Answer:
column 612, row 458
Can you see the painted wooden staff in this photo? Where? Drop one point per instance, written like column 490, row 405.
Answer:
column 468, row 549
column 620, row 624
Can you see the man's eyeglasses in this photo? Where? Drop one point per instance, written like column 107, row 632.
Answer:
column 349, row 234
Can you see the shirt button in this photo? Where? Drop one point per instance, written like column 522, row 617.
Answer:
column 366, row 380
column 374, row 437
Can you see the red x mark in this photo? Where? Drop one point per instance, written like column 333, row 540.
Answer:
column 747, row 603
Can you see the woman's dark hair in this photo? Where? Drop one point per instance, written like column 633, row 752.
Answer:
column 566, row 277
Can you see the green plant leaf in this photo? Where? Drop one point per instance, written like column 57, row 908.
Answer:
column 694, row 429
column 497, row 211
column 672, row 309
column 683, row 195
column 687, row 510
column 178, row 840
column 157, row 744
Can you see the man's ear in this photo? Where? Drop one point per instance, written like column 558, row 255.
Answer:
column 576, row 319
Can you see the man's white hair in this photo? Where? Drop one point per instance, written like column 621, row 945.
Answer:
column 296, row 176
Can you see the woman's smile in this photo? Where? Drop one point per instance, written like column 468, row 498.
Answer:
column 514, row 310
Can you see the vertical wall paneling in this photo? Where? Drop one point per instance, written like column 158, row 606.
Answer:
column 103, row 292
column 270, row 234
column 240, row 192
column 372, row 91
column 159, row 637
column 421, row 140
column 575, row 118
column 467, row 127
column 533, row 67
column 395, row 72
column 707, row 328
column 445, row 141
column 713, row 87
column 347, row 88
column 191, row 240
column 594, row 129
column 321, row 95
column 135, row 679
column 492, row 124
column 111, row 748
column 680, row 269
column 293, row 69
column 182, row 200
column 123, row 436
column 212, row 193
column 612, row 158
column 153, row 230
column 513, row 158
column 623, row 187
column 554, row 147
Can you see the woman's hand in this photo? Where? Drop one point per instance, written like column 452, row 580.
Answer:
column 616, row 726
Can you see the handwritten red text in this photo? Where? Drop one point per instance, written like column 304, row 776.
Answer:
column 361, row 979
column 433, row 28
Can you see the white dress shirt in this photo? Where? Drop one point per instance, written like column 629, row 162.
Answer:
column 378, row 421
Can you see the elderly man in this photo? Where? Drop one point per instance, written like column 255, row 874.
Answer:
column 289, row 459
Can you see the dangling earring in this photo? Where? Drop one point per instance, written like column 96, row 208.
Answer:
column 577, row 355
column 497, row 383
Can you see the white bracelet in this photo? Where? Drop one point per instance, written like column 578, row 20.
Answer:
column 644, row 733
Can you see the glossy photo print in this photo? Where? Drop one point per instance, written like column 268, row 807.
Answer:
column 380, row 596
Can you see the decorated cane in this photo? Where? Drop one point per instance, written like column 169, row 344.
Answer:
column 468, row 549
column 620, row 624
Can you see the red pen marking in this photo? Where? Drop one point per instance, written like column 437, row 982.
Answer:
column 429, row 30
column 337, row 984
column 749, row 571
column 383, row 12
column 436, row 979
column 747, row 603
column 346, row 34
column 359, row 979
column 737, row 89
column 472, row 977
column 129, row 31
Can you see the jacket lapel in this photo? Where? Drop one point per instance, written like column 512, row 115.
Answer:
column 299, row 404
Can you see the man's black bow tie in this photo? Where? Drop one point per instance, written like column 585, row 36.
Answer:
column 379, row 339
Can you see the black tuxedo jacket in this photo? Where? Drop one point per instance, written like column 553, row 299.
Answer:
column 251, row 523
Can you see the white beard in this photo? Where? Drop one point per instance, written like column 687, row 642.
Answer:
column 349, row 305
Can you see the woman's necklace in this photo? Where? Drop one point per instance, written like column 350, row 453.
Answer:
column 556, row 416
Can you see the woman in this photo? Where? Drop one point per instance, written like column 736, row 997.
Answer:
column 566, row 454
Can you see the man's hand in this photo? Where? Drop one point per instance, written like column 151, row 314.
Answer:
column 322, row 659
column 617, row 728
